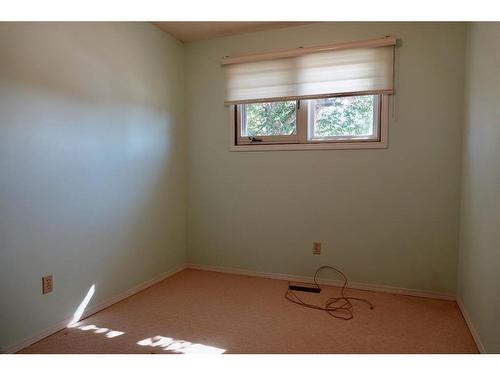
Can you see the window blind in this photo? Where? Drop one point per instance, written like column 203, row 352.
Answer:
column 336, row 70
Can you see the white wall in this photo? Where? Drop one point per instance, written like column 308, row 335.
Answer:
column 384, row 216
column 479, row 276
column 91, row 166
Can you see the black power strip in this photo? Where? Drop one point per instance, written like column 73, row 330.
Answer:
column 304, row 288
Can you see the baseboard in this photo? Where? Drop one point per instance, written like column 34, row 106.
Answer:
column 472, row 329
column 351, row 285
column 94, row 309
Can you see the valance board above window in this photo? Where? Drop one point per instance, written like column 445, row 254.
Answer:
column 356, row 68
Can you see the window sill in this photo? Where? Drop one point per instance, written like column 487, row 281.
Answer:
column 310, row 146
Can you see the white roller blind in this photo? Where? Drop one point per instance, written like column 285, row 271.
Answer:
column 314, row 72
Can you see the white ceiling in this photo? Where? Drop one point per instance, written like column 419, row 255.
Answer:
column 192, row 31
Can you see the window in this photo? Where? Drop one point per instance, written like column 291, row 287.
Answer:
column 271, row 122
column 339, row 122
column 348, row 118
column 311, row 98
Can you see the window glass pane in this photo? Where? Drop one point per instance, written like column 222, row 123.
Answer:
column 269, row 119
column 351, row 116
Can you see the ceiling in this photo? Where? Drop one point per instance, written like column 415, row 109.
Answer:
column 192, row 31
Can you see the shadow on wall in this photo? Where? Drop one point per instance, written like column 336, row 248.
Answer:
column 85, row 53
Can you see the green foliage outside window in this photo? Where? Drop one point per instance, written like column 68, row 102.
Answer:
column 274, row 118
column 344, row 116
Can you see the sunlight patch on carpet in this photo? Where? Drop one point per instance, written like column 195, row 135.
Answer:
column 92, row 327
column 179, row 346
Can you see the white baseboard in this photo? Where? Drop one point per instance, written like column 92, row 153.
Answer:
column 94, row 309
column 472, row 329
column 351, row 285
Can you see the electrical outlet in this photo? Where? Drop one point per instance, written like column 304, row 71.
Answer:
column 316, row 248
column 47, row 284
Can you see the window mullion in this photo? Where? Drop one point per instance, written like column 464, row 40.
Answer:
column 302, row 120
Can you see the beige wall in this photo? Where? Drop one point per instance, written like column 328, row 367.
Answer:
column 384, row 216
column 479, row 275
column 91, row 166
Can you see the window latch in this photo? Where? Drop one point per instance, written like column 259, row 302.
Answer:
column 253, row 139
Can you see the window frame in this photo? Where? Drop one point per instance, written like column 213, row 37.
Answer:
column 302, row 141
column 275, row 139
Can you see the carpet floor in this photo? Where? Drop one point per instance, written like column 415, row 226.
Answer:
column 200, row 311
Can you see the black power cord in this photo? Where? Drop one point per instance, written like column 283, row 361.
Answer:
column 338, row 307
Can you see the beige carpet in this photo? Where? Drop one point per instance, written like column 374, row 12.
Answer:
column 200, row 311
